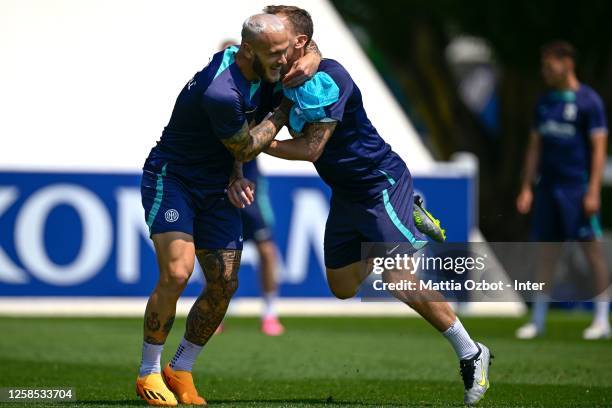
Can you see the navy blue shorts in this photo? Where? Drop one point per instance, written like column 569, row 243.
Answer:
column 172, row 205
column 258, row 218
column 558, row 215
column 386, row 217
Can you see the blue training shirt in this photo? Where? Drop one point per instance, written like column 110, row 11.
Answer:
column 212, row 106
column 356, row 163
column 565, row 122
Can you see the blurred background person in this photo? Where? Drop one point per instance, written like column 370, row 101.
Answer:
column 566, row 155
column 257, row 224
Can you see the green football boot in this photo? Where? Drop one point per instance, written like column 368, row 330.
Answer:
column 427, row 223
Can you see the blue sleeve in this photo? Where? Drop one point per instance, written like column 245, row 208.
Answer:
column 311, row 100
column 345, row 85
column 225, row 111
column 596, row 116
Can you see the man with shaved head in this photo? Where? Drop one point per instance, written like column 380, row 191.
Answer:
column 217, row 123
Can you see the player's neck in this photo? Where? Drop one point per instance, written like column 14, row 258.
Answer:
column 571, row 83
column 245, row 67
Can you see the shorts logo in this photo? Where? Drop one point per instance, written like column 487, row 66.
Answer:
column 390, row 251
column 171, row 215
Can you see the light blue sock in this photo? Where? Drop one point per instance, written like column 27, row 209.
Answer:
column 540, row 309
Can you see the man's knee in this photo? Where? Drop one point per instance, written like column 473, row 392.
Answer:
column 221, row 271
column 342, row 288
column 343, row 292
column 175, row 275
column 175, row 256
column 344, row 282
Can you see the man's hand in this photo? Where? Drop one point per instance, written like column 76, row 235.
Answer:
column 302, row 70
column 241, row 192
column 591, row 203
column 524, row 201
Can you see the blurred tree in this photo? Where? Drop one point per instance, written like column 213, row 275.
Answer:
column 408, row 40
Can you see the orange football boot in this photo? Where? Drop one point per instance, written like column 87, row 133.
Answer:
column 152, row 389
column 181, row 384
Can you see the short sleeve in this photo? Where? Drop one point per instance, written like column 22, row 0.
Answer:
column 596, row 116
column 311, row 100
column 225, row 111
column 345, row 84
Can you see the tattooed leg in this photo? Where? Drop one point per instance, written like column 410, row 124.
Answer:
column 221, row 271
column 175, row 256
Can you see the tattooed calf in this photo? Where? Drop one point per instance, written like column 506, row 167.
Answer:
column 221, row 271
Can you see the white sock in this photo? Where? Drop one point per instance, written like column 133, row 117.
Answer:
column 460, row 340
column 151, row 356
column 269, row 299
column 185, row 356
column 602, row 310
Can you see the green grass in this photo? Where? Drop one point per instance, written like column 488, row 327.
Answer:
column 319, row 362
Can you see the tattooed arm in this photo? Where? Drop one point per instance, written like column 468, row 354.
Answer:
column 307, row 148
column 248, row 143
column 225, row 109
column 312, row 48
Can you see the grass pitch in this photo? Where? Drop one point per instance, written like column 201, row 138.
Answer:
column 319, row 362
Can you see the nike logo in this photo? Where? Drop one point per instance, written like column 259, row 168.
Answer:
column 483, row 379
column 390, row 251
